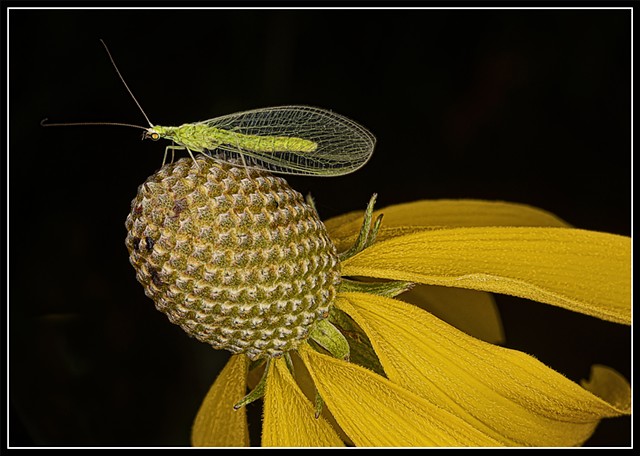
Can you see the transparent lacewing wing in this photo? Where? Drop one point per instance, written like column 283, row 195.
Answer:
column 298, row 140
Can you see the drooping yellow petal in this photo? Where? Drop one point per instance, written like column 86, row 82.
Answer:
column 608, row 384
column 583, row 271
column 416, row 216
column 474, row 312
column 289, row 419
column 217, row 423
column 506, row 394
column 375, row 412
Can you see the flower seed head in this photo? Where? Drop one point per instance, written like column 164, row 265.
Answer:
column 233, row 255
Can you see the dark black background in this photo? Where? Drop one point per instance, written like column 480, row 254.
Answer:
column 529, row 106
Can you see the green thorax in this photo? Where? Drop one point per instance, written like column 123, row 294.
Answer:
column 195, row 137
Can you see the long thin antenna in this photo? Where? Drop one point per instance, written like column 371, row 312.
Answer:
column 44, row 123
column 125, row 84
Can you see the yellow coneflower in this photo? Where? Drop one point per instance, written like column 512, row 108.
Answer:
column 316, row 318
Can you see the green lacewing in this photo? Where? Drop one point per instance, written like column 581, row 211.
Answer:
column 298, row 140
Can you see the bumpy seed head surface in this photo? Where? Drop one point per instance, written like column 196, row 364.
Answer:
column 233, row 255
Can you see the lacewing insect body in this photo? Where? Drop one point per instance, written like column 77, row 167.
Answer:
column 299, row 140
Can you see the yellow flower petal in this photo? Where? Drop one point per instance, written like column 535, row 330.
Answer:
column 376, row 412
column 583, row 271
column 217, row 423
column 289, row 418
column 508, row 395
column 471, row 311
column 610, row 386
column 411, row 217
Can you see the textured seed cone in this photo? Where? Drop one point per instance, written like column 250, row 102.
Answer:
column 233, row 255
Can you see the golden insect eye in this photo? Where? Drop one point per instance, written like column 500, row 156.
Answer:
column 155, row 136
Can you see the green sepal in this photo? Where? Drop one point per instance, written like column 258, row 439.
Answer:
column 368, row 233
column 360, row 348
column 319, row 404
column 328, row 337
column 289, row 362
column 257, row 392
column 389, row 289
